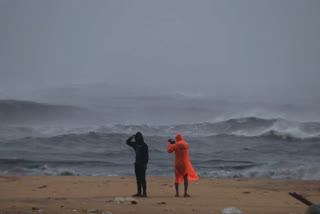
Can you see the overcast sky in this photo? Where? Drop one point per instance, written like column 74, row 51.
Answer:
column 225, row 49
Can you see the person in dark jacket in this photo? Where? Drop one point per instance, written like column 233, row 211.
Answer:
column 140, row 166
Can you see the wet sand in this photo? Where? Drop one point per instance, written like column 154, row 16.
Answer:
column 78, row 194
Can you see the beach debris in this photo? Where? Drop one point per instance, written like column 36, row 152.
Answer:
column 300, row 198
column 246, row 192
column 313, row 209
column 34, row 208
column 119, row 200
column 93, row 211
column 107, row 212
column 162, row 202
column 134, row 202
column 41, row 187
column 231, row 210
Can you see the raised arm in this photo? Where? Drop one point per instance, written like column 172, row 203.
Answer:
column 129, row 142
column 170, row 147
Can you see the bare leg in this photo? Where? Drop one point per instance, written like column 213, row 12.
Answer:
column 177, row 189
column 186, row 186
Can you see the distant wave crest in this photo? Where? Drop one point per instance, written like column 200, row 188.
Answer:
column 240, row 127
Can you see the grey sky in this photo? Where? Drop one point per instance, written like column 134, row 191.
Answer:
column 226, row 49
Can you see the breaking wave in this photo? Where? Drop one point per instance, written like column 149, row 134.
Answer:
column 244, row 147
column 241, row 127
column 304, row 173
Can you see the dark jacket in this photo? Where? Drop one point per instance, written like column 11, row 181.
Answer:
column 141, row 149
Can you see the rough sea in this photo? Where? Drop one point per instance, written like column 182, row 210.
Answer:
column 223, row 142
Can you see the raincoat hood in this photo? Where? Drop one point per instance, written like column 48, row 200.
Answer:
column 139, row 138
column 178, row 137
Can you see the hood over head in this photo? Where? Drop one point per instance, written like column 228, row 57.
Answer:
column 139, row 138
column 178, row 137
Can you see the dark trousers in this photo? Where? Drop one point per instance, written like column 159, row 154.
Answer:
column 140, row 170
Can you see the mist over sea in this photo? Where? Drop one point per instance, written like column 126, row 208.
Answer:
column 226, row 139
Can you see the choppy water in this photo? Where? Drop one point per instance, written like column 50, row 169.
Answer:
column 249, row 147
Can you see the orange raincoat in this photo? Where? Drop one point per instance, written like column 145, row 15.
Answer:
column 182, row 164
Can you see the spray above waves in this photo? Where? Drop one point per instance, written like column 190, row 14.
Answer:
column 240, row 127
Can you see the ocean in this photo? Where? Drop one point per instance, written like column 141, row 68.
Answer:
column 85, row 135
column 234, row 147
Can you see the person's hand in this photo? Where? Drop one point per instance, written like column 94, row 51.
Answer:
column 171, row 141
column 133, row 136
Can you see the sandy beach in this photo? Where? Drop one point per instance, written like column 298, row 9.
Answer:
column 78, row 194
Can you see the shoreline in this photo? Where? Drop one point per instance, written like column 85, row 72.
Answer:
column 78, row 194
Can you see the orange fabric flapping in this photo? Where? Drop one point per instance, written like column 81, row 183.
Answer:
column 182, row 164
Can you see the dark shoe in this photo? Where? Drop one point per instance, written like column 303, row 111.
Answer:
column 137, row 195
column 144, row 195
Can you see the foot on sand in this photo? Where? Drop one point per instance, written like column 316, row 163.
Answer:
column 136, row 195
column 177, row 195
column 186, row 195
column 144, row 195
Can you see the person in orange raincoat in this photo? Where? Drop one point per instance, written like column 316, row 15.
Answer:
column 182, row 166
